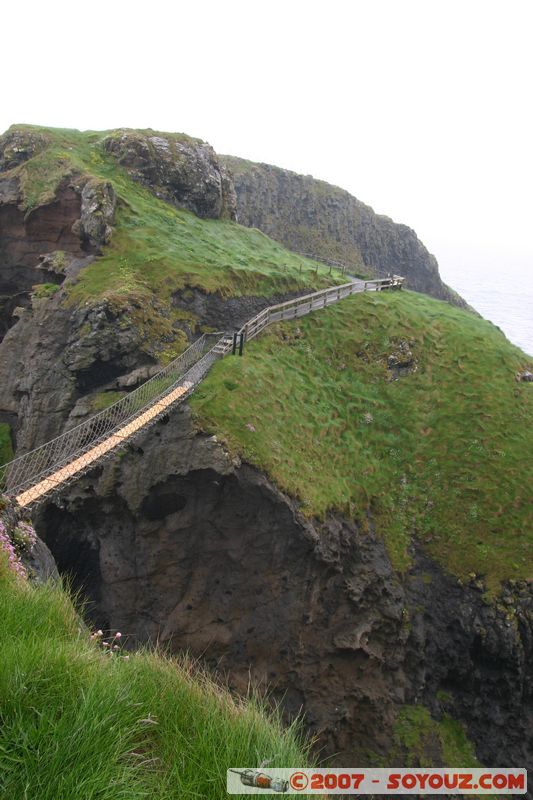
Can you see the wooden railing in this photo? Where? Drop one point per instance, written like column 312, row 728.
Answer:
column 301, row 306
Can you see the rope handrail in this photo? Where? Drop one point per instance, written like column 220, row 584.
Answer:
column 36, row 475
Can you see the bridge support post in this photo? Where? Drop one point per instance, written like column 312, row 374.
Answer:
column 241, row 343
column 234, row 347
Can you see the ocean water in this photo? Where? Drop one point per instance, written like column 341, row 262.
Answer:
column 504, row 297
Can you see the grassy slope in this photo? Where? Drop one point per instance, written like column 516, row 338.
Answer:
column 156, row 248
column 76, row 723
column 316, row 238
column 442, row 453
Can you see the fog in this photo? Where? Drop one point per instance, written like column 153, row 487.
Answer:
column 421, row 109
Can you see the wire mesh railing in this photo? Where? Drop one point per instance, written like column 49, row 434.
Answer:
column 33, row 467
column 37, row 475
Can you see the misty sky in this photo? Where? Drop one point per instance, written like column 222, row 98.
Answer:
column 421, row 109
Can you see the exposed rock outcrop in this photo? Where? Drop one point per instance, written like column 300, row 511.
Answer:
column 46, row 243
column 312, row 216
column 25, row 238
column 98, row 205
column 29, row 554
column 53, row 356
column 177, row 541
column 181, row 170
column 19, row 145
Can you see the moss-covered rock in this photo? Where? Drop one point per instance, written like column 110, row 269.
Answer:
column 21, row 550
column 181, row 170
column 421, row 741
column 98, row 205
column 19, row 145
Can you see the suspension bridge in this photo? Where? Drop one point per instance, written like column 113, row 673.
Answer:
column 36, row 476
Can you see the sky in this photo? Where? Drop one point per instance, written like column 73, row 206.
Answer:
column 420, row 108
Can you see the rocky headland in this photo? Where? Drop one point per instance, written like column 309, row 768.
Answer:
column 181, row 541
column 312, row 216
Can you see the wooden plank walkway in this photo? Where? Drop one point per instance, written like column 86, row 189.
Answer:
column 53, row 482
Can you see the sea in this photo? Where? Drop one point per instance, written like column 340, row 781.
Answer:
column 504, row 297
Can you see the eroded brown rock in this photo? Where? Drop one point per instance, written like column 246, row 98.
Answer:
column 18, row 145
column 51, row 241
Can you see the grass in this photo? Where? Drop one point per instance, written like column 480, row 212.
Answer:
column 424, row 742
column 6, row 446
column 441, row 454
column 156, row 248
column 43, row 291
column 102, row 400
column 75, row 722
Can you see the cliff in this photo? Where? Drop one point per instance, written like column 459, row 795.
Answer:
column 105, row 277
column 312, row 216
column 83, row 716
column 208, row 555
column 342, row 515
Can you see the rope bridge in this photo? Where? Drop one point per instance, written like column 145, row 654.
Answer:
column 34, row 477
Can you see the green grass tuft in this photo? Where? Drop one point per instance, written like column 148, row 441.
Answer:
column 102, row 400
column 43, row 291
column 77, row 723
column 422, row 741
column 6, row 447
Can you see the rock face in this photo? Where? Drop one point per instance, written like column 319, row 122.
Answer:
column 52, row 357
column 178, row 542
column 55, row 358
column 23, row 239
column 180, row 170
column 36, row 559
column 40, row 245
column 17, row 146
column 98, row 205
column 314, row 217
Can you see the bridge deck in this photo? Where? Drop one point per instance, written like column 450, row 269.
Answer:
column 80, row 464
